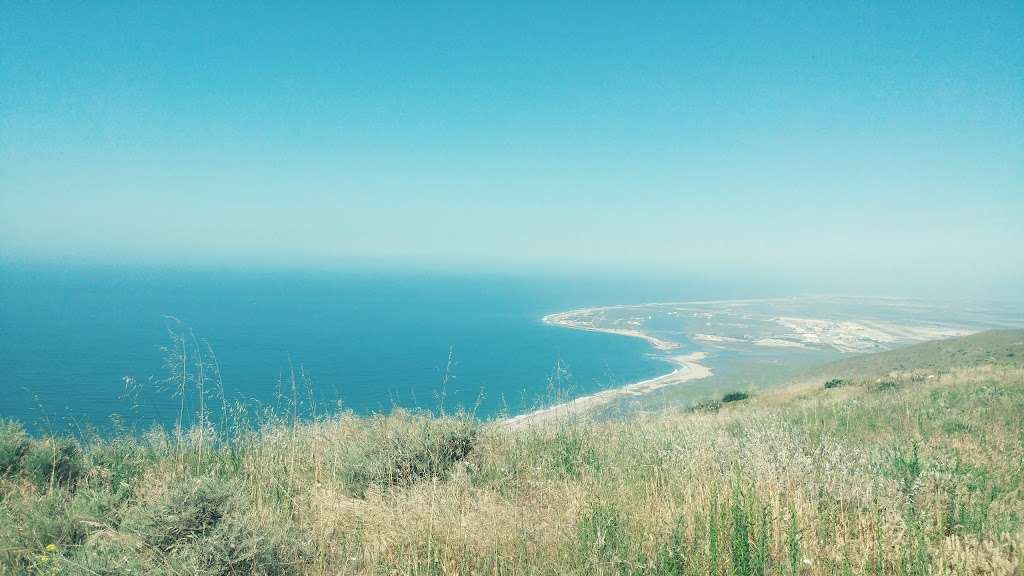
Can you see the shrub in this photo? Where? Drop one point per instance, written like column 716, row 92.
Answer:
column 31, row 521
column 230, row 548
column 35, row 520
column 54, row 461
column 708, row 406
column 201, row 526
column 401, row 449
column 734, row 397
column 835, row 383
column 236, row 547
column 190, row 508
column 111, row 553
column 13, row 446
column 198, row 526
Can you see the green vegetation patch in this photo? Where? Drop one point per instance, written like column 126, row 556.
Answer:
column 734, row 397
column 405, row 448
column 602, row 539
column 14, row 445
column 54, row 461
column 189, row 508
column 835, row 383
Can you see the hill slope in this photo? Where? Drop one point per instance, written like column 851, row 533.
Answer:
column 995, row 347
column 914, row 475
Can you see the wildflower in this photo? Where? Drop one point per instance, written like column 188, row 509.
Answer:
column 51, row 547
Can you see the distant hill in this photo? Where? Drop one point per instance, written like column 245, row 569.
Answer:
column 995, row 347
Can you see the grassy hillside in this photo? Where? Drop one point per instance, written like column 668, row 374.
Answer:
column 995, row 348
column 916, row 473
column 764, row 374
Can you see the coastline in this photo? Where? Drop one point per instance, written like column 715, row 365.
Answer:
column 787, row 330
column 687, row 367
column 566, row 320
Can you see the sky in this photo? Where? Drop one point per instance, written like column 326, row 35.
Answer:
column 875, row 147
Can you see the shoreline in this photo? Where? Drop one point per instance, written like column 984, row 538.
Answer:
column 687, row 367
column 565, row 320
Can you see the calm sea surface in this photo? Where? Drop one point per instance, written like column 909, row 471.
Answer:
column 367, row 341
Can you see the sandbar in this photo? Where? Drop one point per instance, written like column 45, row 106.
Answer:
column 688, row 368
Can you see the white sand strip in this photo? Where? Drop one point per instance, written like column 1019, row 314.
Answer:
column 688, row 368
column 571, row 320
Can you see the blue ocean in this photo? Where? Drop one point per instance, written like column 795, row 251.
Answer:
column 81, row 348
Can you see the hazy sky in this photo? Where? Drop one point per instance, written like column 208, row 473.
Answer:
column 812, row 141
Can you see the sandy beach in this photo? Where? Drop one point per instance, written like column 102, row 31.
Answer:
column 582, row 319
column 688, row 368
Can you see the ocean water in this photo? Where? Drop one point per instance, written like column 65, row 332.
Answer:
column 368, row 341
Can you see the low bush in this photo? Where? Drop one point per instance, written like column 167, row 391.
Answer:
column 31, row 521
column 835, row 383
column 13, row 446
column 236, row 547
column 402, row 449
column 189, row 508
column 201, row 524
column 734, row 397
column 54, row 461
column 112, row 553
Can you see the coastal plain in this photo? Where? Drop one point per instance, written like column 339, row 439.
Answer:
column 759, row 343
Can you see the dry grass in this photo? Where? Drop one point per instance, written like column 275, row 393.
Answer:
column 911, row 475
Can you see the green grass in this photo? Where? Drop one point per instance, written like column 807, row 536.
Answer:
column 911, row 470
column 14, row 444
